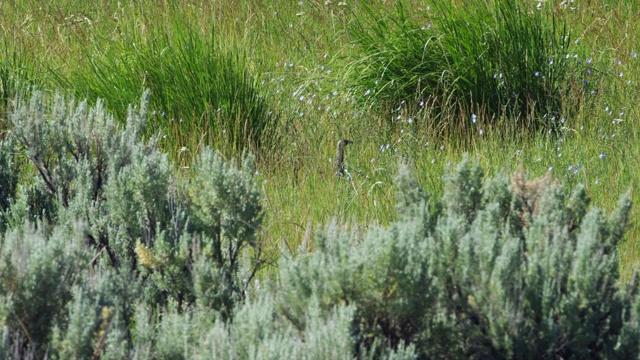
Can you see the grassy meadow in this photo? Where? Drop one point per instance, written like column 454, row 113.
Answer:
column 552, row 87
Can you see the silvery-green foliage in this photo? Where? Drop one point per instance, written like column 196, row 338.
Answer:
column 37, row 270
column 224, row 203
column 19, row 202
column 224, row 209
column 80, row 153
column 4, row 341
column 78, row 340
column 498, row 269
column 158, row 238
column 386, row 277
column 137, row 201
column 100, row 315
column 137, row 208
column 259, row 332
column 8, row 177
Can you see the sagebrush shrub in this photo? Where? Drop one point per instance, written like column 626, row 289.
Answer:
column 110, row 252
column 38, row 268
column 478, row 274
column 8, row 179
column 183, row 236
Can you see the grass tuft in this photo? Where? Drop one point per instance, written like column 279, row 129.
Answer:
column 494, row 58
column 202, row 90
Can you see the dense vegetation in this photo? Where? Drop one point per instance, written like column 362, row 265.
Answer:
column 189, row 206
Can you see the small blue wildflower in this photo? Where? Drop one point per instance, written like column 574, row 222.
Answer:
column 589, row 61
column 635, row 55
column 602, row 156
column 570, row 168
column 537, row 73
column 367, row 92
column 550, row 168
column 473, row 118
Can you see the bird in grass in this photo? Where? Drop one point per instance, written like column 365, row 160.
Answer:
column 339, row 165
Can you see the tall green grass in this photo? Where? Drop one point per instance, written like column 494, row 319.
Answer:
column 318, row 59
column 203, row 90
column 15, row 77
column 496, row 58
